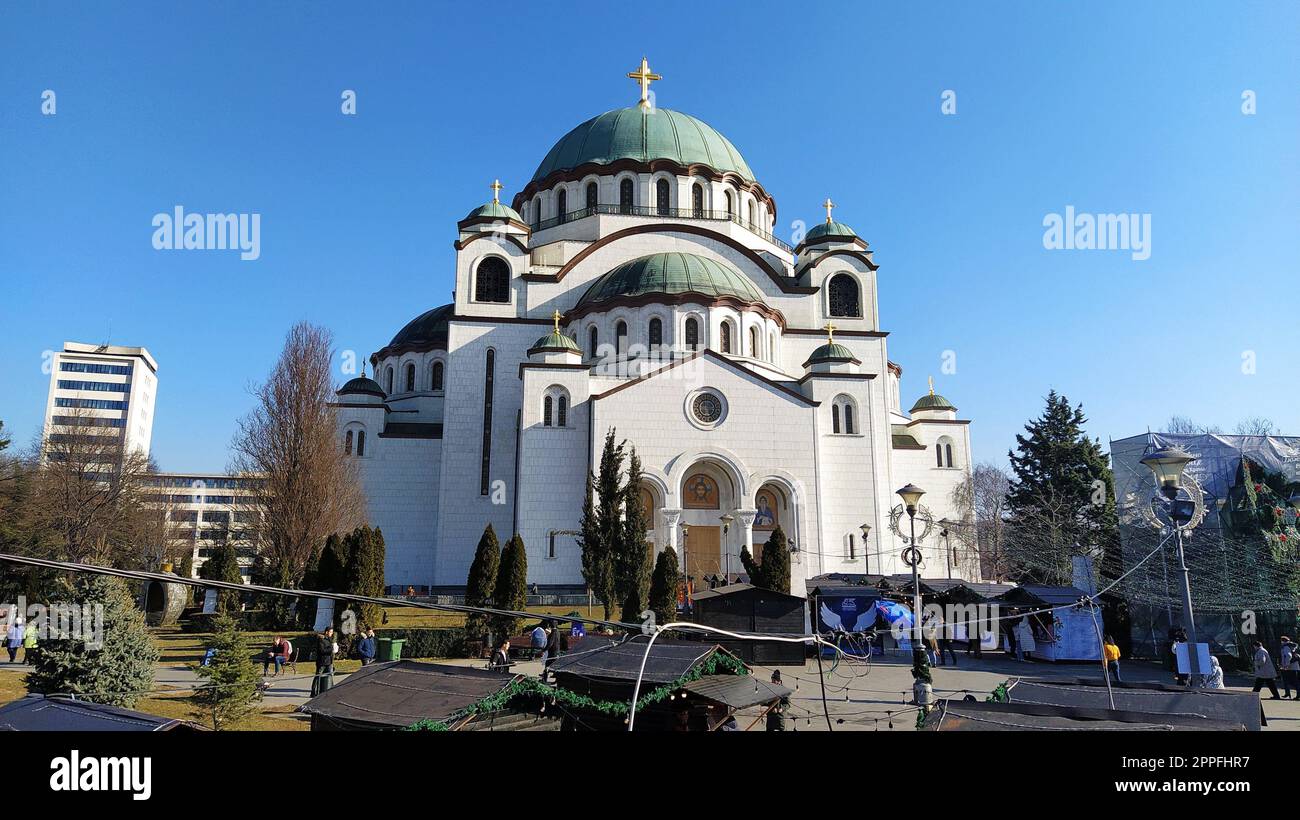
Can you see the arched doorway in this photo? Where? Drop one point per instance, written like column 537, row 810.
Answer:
column 708, row 492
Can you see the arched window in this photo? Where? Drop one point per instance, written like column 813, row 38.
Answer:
column 943, row 452
column 844, row 416
column 725, row 342
column 347, row 443
column 753, row 343
column 663, row 202
column 546, row 410
column 593, row 337
column 537, row 212
column 493, row 281
column 771, row 347
column 555, row 407
column 592, row 195
column 730, row 210
column 562, row 206
column 410, row 377
column 620, row 337
column 562, row 411
column 625, row 196
column 753, row 218
column 361, row 443
column 485, row 455
column 844, row 296
column 697, row 200
column 692, row 334
column 388, row 380
column 656, row 332
column 436, row 376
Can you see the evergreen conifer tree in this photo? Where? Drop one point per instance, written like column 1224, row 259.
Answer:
column 663, row 587
column 511, row 591
column 482, row 580
column 223, row 565
column 631, row 556
column 231, row 691
column 774, row 569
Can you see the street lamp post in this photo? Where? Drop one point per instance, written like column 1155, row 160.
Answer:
column 726, row 520
column 866, row 547
column 911, row 495
column 1167, row 464
column 947, row 544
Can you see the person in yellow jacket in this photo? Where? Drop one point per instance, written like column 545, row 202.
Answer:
column 29, row 644
column 1110, row 650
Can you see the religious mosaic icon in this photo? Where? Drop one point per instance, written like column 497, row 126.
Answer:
column 765, row 503
column 701, row 493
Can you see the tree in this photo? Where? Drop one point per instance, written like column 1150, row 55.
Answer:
column 1256, row 426
column 223, row 565
column 365, row 571
column 1182, row 425
column 631, row 555
column 232, row 690
column 774, row 566
column 602, row 524
column 482, row 580
column 663, row 587
column 109, row 659
column 982, row 498
column 1061, row 498
column 751, row 567
column 307, row 487
column 511, row 590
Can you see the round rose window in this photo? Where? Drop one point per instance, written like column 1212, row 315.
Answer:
column 707, row 408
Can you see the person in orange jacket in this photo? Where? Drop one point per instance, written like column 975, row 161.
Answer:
column 1110, row 649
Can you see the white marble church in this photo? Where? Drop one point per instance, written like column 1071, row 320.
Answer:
column 635, row 283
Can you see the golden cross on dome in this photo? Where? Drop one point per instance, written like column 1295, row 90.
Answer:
column 556, row 318
column 932, row 385
column 830, row 333
column 644, row 77
column 828, row 205
column 496, row 190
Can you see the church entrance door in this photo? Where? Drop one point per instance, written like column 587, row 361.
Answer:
column 703, row 553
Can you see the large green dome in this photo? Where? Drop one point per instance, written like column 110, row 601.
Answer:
column 671, row 273
column 644, row 135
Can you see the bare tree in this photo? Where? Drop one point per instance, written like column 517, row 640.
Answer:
column 305, row 488
column 1256, row 426
column 89, row 493
column 982, row 498
column 1182, row 425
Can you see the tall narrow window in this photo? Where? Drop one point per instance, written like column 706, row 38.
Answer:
column 692, row 334
column 361, row 443
column 730, row 209
column 656, row 333
column 853, row 547
column 436, row 379
column 697, row 200
column 485, row 465
column 725, row 332
column 562, row 411
column 592, row 195
column 562, row 207
column 546, row 411
column 410, row 377
column 753, row 218
column 835, row 418
column 625, row 196
column 347, row 443
column 947, row 448
column 662, row 200
column 388, row 380
column 492, row 284
column 771, row 347
column 593, row 339
column 620, row 337
column 753, row 343
column 848, row 419
column 537, row 212
column 844, row 296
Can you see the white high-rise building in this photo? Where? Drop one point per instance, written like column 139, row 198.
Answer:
column 103, row 386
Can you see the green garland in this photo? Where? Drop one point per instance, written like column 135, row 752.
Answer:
column 716, row 664
column 999, row 694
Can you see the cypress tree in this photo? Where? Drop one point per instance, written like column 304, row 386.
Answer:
column 331, row 570
column 663, row 587
column 111, row 662
column 631, row 556
column 482, row 580
column 511, row 591
column 774, row 567
column 752, row 569
column 365, row 571
column 231, row 691
column 602, row 525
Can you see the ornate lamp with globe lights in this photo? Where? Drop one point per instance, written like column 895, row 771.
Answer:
column 922, row 691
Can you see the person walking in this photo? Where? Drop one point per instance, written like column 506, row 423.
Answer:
column 776, row 715
column 1265, row 672
column 14, row 639
column 500, row 661
column 1214, row 680
column 1110, row 650
column 552, row 647
column 1024, row 638
column 1180, row 636
column 29, row 644
column 325, row 649
column 366, row 647
column 1285, row 655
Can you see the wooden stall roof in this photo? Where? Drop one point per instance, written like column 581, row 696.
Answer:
column 1236, row 707
column 398, row 693
column 737, row 691
column 982, row 716
column 620, row 662
column 57, row 713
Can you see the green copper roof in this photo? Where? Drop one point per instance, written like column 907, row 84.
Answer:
column 361, row 384
column 933, row 401
column 671, row 273
column 829, row 231
column 830, row 350
column 643, row 135
column 555, row 339
column 494, row 210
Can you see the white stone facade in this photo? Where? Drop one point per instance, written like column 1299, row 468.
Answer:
column 440, row 461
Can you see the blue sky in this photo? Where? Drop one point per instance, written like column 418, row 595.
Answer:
column 234, row 107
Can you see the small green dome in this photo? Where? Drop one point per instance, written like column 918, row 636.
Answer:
column 555, row 340
column 671, row 273
column 831, row 351
column 829, row 232
column 494, row 210
column 933, row 401
column 362, row 385
column 644, row 135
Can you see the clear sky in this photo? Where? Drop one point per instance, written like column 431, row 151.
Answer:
column 235, row 107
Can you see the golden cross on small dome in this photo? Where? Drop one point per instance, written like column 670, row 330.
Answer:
column 828, row 205
column 830, row 333
column 932, row 385
column 644, row 77
column 556, row 318
column 496, row 190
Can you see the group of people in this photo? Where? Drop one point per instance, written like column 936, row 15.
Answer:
column 1266, row 673
column 20, row 636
